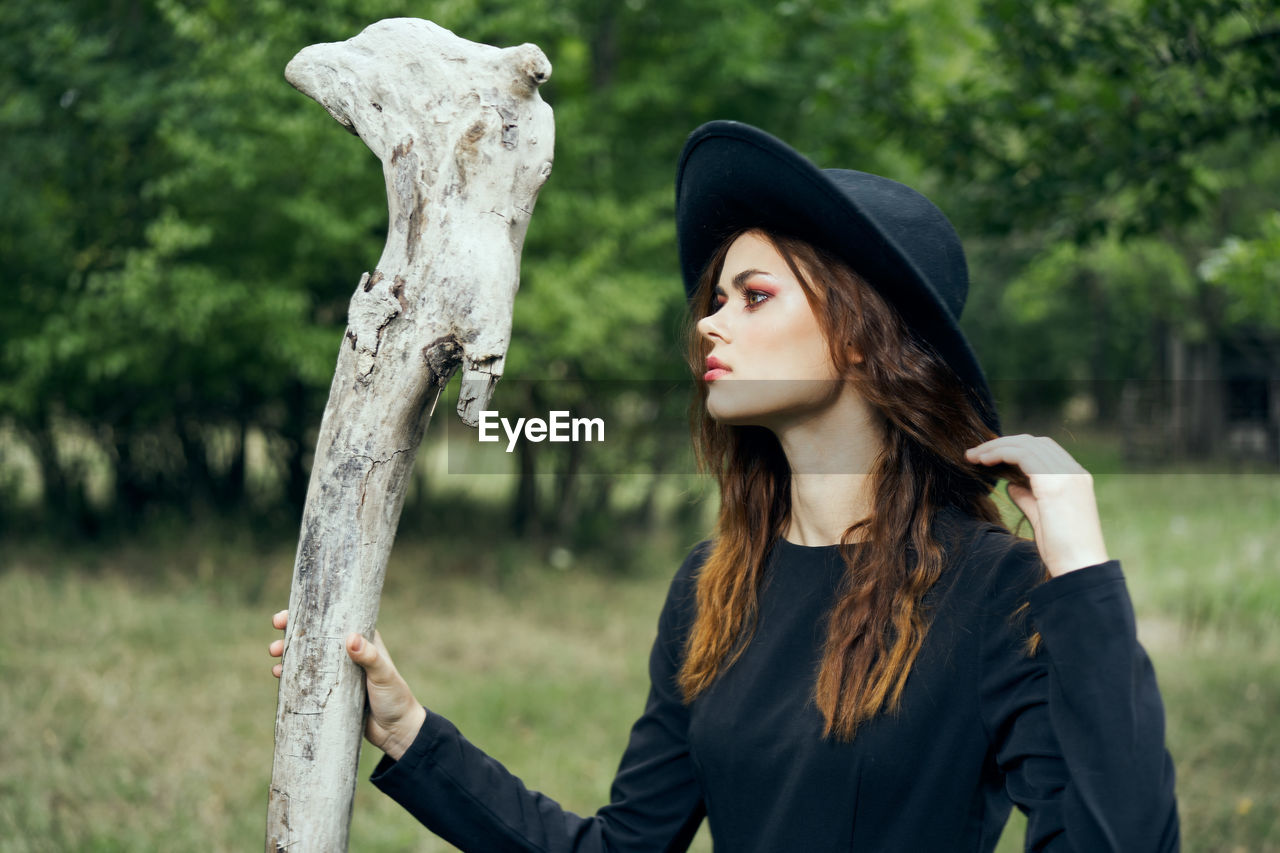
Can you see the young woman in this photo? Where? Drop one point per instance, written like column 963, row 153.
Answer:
column 862, row 658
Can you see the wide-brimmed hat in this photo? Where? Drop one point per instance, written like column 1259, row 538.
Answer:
column 733, row 176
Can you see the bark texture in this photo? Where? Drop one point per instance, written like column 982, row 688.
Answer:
column 466, row 143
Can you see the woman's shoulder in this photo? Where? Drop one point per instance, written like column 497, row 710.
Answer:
column 680, row 609
column 693, row 560
column 988, row 558
column 682, row 593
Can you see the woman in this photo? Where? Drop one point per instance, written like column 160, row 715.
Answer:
column 862, row 658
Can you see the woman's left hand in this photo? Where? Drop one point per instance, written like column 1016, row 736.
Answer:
column 1059, row 503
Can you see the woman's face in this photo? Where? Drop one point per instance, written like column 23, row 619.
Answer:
column 769, row 364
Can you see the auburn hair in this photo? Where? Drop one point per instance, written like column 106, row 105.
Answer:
column 878, row 624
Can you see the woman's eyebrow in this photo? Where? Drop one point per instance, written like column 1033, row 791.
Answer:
column 740, row 280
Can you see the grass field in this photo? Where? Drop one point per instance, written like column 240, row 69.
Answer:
column 137, row 703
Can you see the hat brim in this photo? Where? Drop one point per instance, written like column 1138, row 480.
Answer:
column 733, row 176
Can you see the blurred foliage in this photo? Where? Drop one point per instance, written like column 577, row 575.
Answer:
column 182, row 230
column 1250, row 269
column 1095, row 153
column 1094, row 116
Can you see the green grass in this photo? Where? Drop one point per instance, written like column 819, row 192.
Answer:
column 137, row 703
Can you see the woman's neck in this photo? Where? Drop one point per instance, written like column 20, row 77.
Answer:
column 823, row 506
column 831, row 455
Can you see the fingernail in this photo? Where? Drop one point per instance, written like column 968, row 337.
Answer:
column 359, row 644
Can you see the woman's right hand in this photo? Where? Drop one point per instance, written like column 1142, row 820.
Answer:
column 395, row 716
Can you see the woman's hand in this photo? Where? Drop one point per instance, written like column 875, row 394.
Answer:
column 395, row 716
column 1058, row 500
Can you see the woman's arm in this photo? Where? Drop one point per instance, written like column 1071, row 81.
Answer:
column 471, row 800
column 1078, row 727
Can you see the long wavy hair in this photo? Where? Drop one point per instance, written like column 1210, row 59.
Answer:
column 878, row 624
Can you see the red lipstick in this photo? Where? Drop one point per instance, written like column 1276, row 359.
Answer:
column 715, row 369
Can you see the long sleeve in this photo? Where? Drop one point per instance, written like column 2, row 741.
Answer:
column 1079, row 726
column 473, row 802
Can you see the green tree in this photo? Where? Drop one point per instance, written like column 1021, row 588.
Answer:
column 1078, row 134
column 1088, row 117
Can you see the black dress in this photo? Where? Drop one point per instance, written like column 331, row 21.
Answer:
column 1073, row 735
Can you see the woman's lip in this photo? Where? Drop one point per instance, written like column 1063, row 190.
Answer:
column 714, row 374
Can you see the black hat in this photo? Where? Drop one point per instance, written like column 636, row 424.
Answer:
column 733, row 176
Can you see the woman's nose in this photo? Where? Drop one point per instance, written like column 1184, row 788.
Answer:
column 710, row 327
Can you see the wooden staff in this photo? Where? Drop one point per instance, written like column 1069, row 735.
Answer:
column 466, row 143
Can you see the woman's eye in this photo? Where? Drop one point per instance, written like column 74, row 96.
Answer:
column 751, row 297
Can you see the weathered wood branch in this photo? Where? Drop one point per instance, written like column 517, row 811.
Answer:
column 466, row 144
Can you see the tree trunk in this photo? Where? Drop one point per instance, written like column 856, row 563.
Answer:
column 232, row 490
column 465, row 143
column 199, row 492
column 567, row 490
column 1100, row 383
